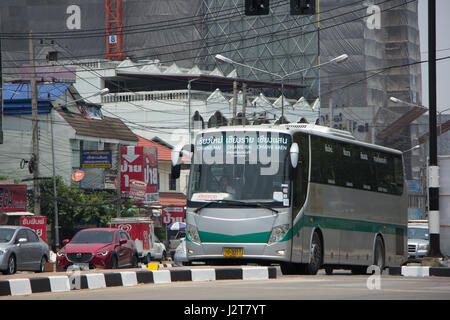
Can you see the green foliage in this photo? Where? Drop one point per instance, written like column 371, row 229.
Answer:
column 78, row 206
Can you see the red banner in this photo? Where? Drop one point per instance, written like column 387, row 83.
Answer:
column 172, row 214
column 38, row 224
column 13, row 197
column 139, row 164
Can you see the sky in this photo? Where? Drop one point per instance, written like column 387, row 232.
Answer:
column 443, row 50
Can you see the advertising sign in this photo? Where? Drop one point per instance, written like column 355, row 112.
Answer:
column 172, row 214
column 38, row 224
column 13, row 197
column 414, row 186
column 93, row 179
column 137, row 189
column 96, row 159
column 139, row 164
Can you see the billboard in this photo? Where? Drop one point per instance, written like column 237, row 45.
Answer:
column 139, row 170
column 13, row 197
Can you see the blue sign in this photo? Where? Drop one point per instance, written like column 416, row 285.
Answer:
column 96, row 159
column 414, row 186
column 93, row 179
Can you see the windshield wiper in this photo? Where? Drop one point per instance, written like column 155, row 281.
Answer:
column 237, row 202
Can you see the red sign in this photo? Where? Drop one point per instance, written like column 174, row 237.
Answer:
column 138, row 189
column 140, row 164
column 78, row 175
column 172, row 214
column 137, row 231
column 38, row 224
column 13, row 197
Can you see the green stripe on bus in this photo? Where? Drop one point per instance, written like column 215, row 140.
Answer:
column 306, row 221
column 343, row 224
column 261, row 237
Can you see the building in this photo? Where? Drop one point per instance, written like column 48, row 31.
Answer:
column 77, row 126
column 381, row 40
column 154, row 100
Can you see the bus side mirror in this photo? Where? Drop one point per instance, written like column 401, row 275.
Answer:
column 294, row 154
column 177, row 154
column 179, row 151
column 175, row 172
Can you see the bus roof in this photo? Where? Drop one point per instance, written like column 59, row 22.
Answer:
column 313, row 129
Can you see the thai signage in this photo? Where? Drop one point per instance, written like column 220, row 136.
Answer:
column 139, row 169
column 96, row 159
column 13, row 197
column 38, row 224
column 172, row 214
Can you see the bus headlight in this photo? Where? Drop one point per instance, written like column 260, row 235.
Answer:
column 192, row 233
column 278, row 233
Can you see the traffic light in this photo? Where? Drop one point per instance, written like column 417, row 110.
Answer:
column 303, row 7
column 256, row 7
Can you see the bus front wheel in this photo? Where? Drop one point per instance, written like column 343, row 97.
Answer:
column 316, row 257
column 379, row 254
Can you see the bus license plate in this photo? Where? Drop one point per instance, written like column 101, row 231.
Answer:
column 233, row 252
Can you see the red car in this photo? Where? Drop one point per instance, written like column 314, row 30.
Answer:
column 98, row 248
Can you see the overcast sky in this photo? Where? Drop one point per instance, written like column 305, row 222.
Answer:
column 443, row 50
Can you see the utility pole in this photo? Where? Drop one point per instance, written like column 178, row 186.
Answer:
column 118, row 190
column 35, row 130
column 234, row 101
column 55, row 200
column 433, row 168
column 1, row 95
column 244, row 102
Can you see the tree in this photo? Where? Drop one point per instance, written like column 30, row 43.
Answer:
column 78, row 206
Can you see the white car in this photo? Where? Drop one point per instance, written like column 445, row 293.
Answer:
column 418, row 239
column 159, row 251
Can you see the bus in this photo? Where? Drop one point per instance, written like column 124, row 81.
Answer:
column 304, row 196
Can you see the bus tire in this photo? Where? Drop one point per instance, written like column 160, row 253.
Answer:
column 316, row 256
column 379, row 254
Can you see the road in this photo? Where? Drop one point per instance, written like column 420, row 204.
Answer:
column 337, row 286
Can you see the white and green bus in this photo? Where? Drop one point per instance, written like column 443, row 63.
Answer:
column 301, row 195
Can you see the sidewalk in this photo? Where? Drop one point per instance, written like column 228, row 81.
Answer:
column 26, row 284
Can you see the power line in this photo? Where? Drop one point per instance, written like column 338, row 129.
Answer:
column 271, row 33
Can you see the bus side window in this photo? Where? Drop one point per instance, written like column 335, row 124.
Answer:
column 300, row 183
column 316, row 157
column 398, row 175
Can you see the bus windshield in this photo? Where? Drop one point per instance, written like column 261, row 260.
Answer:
column 250, row 166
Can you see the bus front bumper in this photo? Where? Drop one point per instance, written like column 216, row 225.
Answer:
column 279, row 251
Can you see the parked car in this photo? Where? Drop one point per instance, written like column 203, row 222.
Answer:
column 21, row 249
column 180, row 256
column 418, row 239
column 98, row 248
column 159, row 252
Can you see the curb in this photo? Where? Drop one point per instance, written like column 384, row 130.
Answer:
column 21, row 287
column 419, row 271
